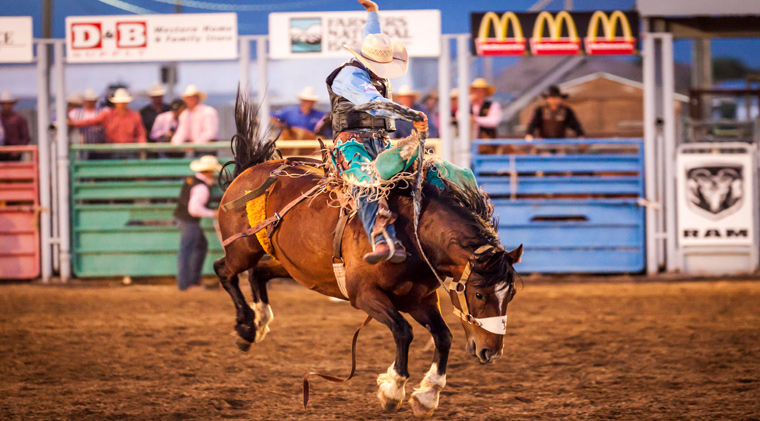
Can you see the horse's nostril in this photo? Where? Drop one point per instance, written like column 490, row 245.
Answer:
column 483, row 354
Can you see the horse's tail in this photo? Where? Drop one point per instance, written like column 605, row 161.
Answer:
column 249, row 146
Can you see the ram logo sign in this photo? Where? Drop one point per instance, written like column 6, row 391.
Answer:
column 606, row 32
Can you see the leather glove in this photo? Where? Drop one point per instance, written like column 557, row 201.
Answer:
column 421, row 126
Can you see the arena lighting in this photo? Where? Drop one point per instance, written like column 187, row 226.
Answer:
column 500, row 45
column 555, row 45
column 611, row 44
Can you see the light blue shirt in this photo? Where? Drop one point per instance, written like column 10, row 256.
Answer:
column 355, row 85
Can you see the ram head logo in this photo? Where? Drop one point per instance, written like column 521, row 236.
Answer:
column 715, row 191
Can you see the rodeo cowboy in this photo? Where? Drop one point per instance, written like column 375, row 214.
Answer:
column 361, row 136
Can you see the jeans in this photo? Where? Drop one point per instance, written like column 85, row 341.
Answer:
column 192, row 252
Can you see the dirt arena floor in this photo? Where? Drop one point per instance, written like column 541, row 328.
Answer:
column 573, row 351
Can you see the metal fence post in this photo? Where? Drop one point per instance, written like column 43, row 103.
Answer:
column 43, row 159
column 462, row 150
column 669, row 138
column 245, row 64
column 444, row 99
column 650, row 136
column 262, row 65
column 64, row 226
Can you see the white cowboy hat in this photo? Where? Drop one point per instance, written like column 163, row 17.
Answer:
column 6, row 98
column 205, row 163
column 406, row 90
column 74, row 98
column 481, row 83
column 121, row 96
column 380, row 54
column 191, row 90
column 308, row 94
column 156, row 90
column 454, row 93
column 90, row 95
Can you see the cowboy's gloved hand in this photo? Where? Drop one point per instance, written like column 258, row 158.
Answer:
column 370, row 5
column 421, row 126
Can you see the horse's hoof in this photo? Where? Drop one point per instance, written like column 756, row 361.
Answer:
column 246, row 332
column 420, row 402
column 243, row 345
column 261, row 333
column 389, row 404
column 391, row 389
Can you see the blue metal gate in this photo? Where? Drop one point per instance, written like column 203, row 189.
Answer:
column 574, row 204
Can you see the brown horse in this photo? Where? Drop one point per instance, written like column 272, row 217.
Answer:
column 454, row 226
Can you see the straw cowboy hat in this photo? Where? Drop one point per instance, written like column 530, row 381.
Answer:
column 191, row 90
column 74, row 98
column 406, row 90
column 553, row 91
column 90, row 95
column 121, row 96
column 7, row 98
column 454, row 93
column 156, row 90
column 205, row 163
column 380, row 54
column 308, row 94
column 481, row 83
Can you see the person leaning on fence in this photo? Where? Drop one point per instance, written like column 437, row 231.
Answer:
column 551, row 120
column 191, row 207
column 121, row 124
column 302, row 116
column 157, row 106
column 15, row 127
column 486, row 113
column 89, row 108
column 199, row 123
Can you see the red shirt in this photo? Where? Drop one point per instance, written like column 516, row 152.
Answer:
column 16, row 129
column 120, row 128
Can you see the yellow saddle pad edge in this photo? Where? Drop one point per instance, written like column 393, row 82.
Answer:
column 256, row 210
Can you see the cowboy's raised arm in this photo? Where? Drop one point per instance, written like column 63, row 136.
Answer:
column 373, row 23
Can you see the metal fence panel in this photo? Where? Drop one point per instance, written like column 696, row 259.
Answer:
column 19, row 208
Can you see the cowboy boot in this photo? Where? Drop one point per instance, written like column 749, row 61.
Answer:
column 378, row 254
column 399, row 254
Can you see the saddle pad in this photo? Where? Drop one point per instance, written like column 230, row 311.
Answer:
column 256, row 210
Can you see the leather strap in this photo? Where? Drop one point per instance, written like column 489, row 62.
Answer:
column 275, row 219
column 258, row 191
column 339, row 268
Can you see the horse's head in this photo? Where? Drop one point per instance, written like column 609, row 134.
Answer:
column 486, row 286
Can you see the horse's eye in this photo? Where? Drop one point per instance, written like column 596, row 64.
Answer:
column 479, row 296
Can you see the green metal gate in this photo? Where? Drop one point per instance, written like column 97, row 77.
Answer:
column 122, row 223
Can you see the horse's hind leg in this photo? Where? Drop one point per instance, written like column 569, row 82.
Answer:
column 245, row 317
column 266, row 270
column 424, row 400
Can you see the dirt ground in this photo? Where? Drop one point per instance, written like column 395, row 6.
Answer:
column 579, row 351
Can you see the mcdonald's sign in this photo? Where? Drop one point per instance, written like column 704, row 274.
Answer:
column 611, row 43
column 554, row 33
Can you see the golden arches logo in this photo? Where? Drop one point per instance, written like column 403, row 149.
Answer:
column 501, row 26
column 554, row 24
column 609, row 25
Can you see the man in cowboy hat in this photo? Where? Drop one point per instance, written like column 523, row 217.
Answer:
column 121, row 124
column 89, row 109
column 191, row 207
column 304, row 115
column 486, row 113
column 199, row 123
column 407, row 97
column 361, row 136
column 552, row 119
column 15, row 127
column 157, row 106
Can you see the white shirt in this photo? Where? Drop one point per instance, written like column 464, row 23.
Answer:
column 163, row 124
column 200, row 125
column 490, row 120
column 199, row 195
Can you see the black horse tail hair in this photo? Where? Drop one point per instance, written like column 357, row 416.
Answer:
column 249, row 145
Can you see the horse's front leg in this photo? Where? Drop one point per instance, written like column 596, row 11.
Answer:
column 424, row 399
column 391, row 383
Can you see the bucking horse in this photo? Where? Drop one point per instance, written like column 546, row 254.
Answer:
column 456, row 232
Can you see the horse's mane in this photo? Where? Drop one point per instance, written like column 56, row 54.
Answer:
column 474, row 206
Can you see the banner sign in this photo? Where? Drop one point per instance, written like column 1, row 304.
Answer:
column 187, row 36
column 715, row 199
column 16, row 40
column 554, row 33
column 323, row 34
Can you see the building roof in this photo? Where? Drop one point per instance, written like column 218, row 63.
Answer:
column 614, row 78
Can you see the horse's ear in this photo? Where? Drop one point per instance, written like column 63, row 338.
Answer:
column 516, row 255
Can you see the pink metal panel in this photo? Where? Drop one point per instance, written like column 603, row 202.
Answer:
column 19, row 207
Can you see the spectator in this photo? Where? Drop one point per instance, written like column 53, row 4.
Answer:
column 487, row 113
column 430, row 107
column 15, row 127
column 199, row 123
column 407, row 97
column 157, row 106
column 302, row 116
column 121, row 124
column 552, row 119
column 166, row 122
column 191, row 207
column 91, row 135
